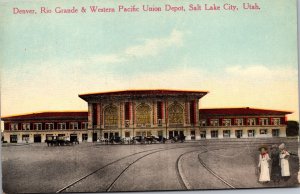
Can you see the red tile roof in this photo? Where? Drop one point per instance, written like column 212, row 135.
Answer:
column 144, row 92
column 241, row 111
column 49, row 115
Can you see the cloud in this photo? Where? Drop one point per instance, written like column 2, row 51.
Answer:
column 262, row 73
column 149, row 47
column 153, row 47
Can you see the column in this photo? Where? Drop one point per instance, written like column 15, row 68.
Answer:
column 98, row 115
column 90, row 115
column 197, row 134
column 208, row 134
column 90, row 136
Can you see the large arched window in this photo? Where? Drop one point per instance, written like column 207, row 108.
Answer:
column 111, row 116
column 175, row 114
column 143, row 114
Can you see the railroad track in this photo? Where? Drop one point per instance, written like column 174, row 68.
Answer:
column 180, row 175
column 124, row 170
column 95, row 171
column 182, row 181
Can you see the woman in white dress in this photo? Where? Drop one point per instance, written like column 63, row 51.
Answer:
column 284, row 162
column 263, row 164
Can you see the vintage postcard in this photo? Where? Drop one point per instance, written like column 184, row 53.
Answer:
column 148, row 95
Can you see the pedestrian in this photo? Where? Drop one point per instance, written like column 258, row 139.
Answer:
column 263, row 165
column 284, row 162
column 275, row 167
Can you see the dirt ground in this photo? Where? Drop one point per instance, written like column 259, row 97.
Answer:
column 36, row 168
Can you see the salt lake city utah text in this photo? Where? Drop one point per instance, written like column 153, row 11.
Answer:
column 138, row 8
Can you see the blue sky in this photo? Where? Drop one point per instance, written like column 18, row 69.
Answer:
column 244, row 58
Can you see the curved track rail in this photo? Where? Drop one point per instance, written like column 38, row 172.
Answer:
column 184, row 183
column 95, row 171
column 124, row 170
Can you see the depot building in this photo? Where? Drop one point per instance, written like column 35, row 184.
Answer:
column 130, row 113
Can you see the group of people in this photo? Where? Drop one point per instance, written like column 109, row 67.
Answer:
column 278, row 160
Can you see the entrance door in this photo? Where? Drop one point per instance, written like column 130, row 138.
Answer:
column 170, row 134
column 193, row 135
column 37, row 138
column 73, row 137
column 175, row 133
column 94, row 137
column 181, row 134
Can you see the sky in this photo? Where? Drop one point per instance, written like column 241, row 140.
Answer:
column 244, row 58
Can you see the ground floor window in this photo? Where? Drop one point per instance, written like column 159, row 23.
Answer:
column 193, row 135
column 203, row 134
column 226, row 133
column 263, row 131
column 239, row 133
column 25, row 137
column 84, row 137
column 160, row 133
column 127, row 134
column 49, row 136
column 149, row 133
column 251, row 133
column 175, row 134
column 37, row 138
column 13, row 138
column 275, row 132
column 214, row 134
column 73, row 138
column 111, row 135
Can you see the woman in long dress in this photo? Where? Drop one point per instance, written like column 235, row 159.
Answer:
column 263, row 164
column 284, row 162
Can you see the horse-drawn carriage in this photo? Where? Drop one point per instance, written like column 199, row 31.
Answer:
column 180, row 138
column 59, row 141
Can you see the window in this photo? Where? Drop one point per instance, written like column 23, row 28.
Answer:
column 25, row 137
column 251, row 121
column 226, row 122
column 175, row 114
column 14, row 126
column 263, row 121
column 49, row 126
column 203, row 134
column 61, row 126
column 214, row 122
column 84, row 125
column 192, row 112
column 37, row 126
column 127, row 134
column 95, row 114
column 263, row 131
column 149, row 133
column 13, row 138
column 84, row 137
column 275, row 132
column 111, row 116
column 276, row 121
column 160, row 110
column 239, row 122
column 26, row 126
column 203, row 122
column 127, row 110
column 239, row 133
column 214, row 134
column 251, row 133
column 143, row 115
column 226, row 133
column 73, row 125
